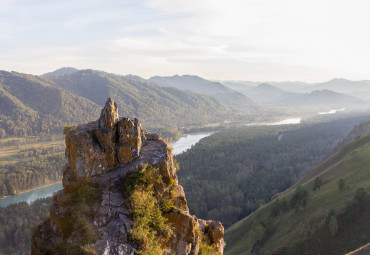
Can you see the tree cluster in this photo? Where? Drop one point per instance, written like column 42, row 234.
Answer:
column 16, row 221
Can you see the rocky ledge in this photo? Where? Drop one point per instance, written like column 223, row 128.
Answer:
column 101, row 154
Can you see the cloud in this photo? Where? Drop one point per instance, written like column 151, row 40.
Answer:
column 254, row 39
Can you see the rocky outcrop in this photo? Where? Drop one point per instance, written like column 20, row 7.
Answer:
column 100, row 154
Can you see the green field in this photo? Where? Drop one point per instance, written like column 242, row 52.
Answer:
column 13, row 150
column 292, row 228
column 30, row 162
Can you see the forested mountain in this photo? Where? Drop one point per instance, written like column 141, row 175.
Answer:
column 199, row 85
column 326, row 212
column 30, row 106
column 231, row 173
column 155, row 106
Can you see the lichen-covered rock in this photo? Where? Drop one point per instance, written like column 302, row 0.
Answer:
column 216, row 234
column 102, row 145
column 109, row 115
column 100, row 154
column 187, row 238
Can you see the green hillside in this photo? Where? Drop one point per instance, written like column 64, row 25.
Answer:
column 326, row 212
column 30, row 106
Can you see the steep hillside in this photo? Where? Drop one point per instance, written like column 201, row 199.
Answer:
column 361, row 129
column 199, row 85
column 326, row 212
column 154, row 105
column 30, row 106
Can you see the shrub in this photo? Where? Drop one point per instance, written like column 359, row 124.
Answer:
column 299, row 198
column 206, row 249
column 333, row 225
column 150, row 228
column 341, row 184
column 317, row 183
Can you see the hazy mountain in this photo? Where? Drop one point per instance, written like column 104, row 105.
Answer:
column 344, row 86
column 268, row 94
column 293, row 86
column 288, row 86
column 62, row 71
column 325, row 98
column 199, row 85
column 240, row 86
column 273, row 95
column 360, row 89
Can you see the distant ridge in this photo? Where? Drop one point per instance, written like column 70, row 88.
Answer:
column 199, row 85
column 62, row 71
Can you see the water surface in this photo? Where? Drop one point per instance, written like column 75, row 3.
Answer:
column 181, row 145
column 185, row 142
column 33, row 195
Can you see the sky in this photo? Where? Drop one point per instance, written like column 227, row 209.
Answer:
column 256, row 40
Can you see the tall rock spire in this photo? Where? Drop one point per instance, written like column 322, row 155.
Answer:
column 109, row 115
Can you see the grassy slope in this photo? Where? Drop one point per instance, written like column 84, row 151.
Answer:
column 351, row 163
column 10, row 154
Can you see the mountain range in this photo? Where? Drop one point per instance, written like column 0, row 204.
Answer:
column 40, row 104
column 319, row 97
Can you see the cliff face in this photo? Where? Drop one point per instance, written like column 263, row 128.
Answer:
column 92, row 214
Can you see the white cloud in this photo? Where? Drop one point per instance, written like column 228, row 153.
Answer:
column 250, row 39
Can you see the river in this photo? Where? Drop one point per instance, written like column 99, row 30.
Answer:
column 332, row 111
column 185, row 142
